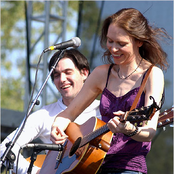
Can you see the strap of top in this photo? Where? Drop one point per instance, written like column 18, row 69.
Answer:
column 144, row 76
column 109, row 71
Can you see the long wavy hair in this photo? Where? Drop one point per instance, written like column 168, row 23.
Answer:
column 136, row 25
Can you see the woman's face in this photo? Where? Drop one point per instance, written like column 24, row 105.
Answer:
column 122, row 47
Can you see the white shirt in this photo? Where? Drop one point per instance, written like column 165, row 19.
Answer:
column 38, row 125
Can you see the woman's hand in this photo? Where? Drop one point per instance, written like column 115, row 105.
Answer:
column 116, row 126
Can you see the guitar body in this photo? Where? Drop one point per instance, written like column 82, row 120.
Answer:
column 92, row 154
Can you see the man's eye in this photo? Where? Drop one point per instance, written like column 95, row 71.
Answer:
column 56, row 75
column 68, row 72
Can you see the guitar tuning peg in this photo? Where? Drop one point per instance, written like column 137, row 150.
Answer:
column 144, row 117
column 135, row 124
column 160, row 123
column 141, row 123
column 142, row 108
column 165, row 112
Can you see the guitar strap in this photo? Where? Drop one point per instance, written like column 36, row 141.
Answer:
column 141, row 88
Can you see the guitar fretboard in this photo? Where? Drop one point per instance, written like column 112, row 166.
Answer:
column 86, row 139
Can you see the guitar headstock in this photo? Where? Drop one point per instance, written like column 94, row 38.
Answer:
column 166, row 117
column 141, row 114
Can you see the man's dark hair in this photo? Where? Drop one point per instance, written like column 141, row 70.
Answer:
column 79, row 60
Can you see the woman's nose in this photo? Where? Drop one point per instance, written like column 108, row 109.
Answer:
column 114, row 47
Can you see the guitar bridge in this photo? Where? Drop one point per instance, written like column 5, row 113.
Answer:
column 60, row 155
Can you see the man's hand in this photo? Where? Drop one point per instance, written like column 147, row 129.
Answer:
column 57, row 135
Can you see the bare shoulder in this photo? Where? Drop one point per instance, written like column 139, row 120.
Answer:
column 98, row 76
column 100, row 72
column 102, row 69
column 157, row 72
column 155, row 80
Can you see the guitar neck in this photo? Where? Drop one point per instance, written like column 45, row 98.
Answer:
column 102, row 130
column 164, row 119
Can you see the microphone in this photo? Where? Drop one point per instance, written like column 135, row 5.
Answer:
column 74, row 42
column 54, row 147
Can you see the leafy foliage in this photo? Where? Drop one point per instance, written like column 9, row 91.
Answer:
column 11, row 93
column 11, row 26
column 13, row 46
column 12, row 38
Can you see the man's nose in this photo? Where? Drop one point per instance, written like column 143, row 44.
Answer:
column 62, row 77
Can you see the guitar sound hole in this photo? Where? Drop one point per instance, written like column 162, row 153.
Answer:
column 75, row 146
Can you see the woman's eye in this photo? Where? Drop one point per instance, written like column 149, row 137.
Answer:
column 122, row 44
column 109, row 41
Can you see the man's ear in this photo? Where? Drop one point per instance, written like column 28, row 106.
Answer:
column 85, row 73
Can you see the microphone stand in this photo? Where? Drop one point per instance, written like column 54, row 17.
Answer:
column 33, row 159
column 10, row 159
column 37, row 150
column 7, row 153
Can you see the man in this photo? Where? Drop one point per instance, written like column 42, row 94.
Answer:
column 68, row 77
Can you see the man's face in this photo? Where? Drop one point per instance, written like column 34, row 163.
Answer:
column 68, row 79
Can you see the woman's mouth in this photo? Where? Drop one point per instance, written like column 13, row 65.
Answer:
column 116, row 55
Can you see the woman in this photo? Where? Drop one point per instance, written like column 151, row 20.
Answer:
column 131, row 47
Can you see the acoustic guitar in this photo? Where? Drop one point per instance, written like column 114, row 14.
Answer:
column 165, row 118
column 92, row 148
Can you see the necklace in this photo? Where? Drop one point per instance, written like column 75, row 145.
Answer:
column 123, row 78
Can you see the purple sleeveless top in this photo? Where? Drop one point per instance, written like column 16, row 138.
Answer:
column 124, row 153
